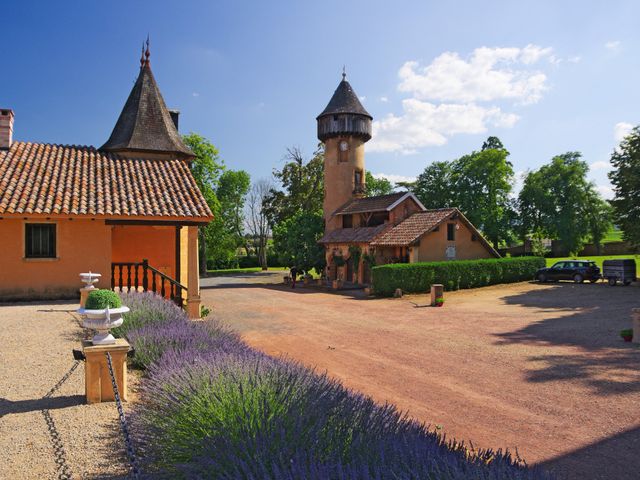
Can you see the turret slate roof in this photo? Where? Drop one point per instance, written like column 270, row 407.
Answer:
column 344, row 100
column 145, row 124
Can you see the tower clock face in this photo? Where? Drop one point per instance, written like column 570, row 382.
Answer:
column 344, row 146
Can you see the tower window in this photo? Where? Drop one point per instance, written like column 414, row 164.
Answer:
column 347, row 221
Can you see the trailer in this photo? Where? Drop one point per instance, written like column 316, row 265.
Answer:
column 620, row 270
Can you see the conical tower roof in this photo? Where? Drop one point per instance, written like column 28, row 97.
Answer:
column 344, row 100
column 145, row 124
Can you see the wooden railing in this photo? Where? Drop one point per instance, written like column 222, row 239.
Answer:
column 134, row 276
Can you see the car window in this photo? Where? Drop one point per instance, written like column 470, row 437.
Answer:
column 558, row 265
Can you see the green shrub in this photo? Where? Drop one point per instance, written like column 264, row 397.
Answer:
column 101, row 299
column 418, row 277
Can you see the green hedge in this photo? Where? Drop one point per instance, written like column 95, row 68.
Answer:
column 418, row 277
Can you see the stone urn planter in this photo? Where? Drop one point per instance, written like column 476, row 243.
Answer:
column 88, row 278
column 103, row 312
column 103, row 321
column 337, row 284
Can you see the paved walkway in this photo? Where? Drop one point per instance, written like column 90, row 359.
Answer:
column 36, row 343
column 540, row 368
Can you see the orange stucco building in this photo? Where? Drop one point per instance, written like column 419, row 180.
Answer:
column 386, row 228
column 129, row 210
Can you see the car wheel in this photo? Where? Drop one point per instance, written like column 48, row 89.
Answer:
column 612, row 282
column 578, row 278
column 542, row 278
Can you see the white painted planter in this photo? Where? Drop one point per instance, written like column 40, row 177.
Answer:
column 103, row 321
column 89, row 279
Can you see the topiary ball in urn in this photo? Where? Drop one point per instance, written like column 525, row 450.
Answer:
column 101, row 299
column 102, row 312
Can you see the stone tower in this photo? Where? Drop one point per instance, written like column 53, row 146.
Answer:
column 344, row 126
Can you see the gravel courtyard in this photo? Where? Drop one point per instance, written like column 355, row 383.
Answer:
column 540, row 368
column 37, row 340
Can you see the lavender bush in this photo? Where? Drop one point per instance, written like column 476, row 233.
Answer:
column 211, row 407
column 146, row 308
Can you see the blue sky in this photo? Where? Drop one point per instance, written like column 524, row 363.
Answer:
column 438, row 77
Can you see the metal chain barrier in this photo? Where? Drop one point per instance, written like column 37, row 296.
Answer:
column 64, row 472
column 135, row 469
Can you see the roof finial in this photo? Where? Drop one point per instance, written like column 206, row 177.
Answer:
column 142, row 56
column 147, row 53
column 344, row 73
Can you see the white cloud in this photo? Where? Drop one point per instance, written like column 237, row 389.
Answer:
column 384, row 99
column 600, row 165
column 621, row 130
column 393, row 178
column 612, row 45
column 606, row 191
column 425, row 124
column 195, row 94
column 488, row 74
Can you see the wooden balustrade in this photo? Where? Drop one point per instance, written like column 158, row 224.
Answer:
column 135, row 276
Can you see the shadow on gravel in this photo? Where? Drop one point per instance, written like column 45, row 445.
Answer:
column 585, row 462
column 590, row 318
column 23, row 406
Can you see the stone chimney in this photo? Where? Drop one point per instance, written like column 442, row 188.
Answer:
column 6, row 128
column 174, row 116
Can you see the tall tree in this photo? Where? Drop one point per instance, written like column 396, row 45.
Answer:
column 206, row 168
column 483, row 182
column 377, row 186
column 558, row 200
column 257, row 221
column 434, row 187
column 625, row 178
column 492, row 143
column 296, row 241
column 232, row 192
column 302, row 186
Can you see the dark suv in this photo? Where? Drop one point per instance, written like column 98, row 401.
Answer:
column 576, row 270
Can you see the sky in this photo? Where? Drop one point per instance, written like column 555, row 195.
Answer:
column 546, row 77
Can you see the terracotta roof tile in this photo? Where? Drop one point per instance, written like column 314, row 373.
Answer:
column 353, row 235
column 65, row 180
column 378, row 203
column 413, row 227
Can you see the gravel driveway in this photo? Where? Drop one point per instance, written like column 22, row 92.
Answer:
column 37, row 340
column 540, row 368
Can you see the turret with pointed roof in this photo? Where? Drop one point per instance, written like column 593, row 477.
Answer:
column 344, row 115
column 145, row 125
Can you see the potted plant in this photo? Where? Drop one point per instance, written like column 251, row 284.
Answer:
column 102, row 312
column 337, row 284
column 626, row 334
column 439, row 301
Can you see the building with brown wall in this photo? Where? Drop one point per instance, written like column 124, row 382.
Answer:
column 387, row 228
column 66, row 209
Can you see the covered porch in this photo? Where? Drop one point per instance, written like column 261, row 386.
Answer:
column 157, row 256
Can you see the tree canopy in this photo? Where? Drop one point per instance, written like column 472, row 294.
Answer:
column 558, row 201
column 377, row 186
column 302, row 186
column 296, row 241
column 625, row 178
column 479, row 184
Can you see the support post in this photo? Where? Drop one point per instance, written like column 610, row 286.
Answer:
column 193, row 285
column 97, row 381
column 636, row 325
column 437, row 291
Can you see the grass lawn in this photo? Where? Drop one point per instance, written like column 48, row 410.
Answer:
column 613, row 236
column 598, row 260
column 232, row 271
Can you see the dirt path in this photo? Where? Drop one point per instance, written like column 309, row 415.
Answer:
column 540, row 368
column 36, row 349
